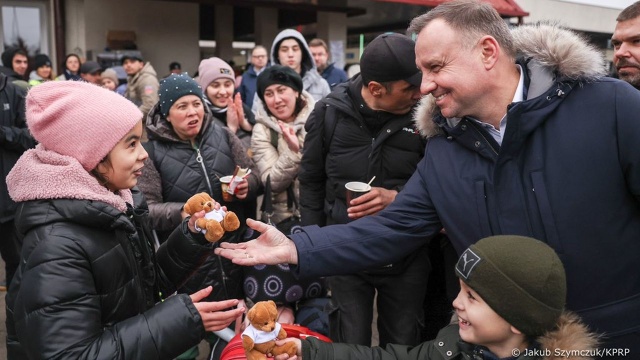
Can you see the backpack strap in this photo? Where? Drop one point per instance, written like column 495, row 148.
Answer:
column 330, row 123
column 274, row 138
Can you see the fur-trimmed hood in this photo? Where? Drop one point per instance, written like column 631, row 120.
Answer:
column 571, row 335
column 554, row 53
column 570, row 340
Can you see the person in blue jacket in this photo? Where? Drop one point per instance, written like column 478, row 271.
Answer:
column 527, row 137
column 320, row 52
column 248, row 87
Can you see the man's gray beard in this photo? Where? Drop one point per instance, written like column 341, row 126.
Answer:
column 634, row 80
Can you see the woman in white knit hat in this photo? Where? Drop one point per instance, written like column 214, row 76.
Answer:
column 89, row 284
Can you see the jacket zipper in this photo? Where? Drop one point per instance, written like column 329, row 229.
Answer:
column 223, row 273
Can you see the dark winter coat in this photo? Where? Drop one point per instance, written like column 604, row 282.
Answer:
column 14, row 139
column 567, row 173
column 334, row 76
column 173, row 173
column 102, row 282
column 248, row 86
column 343, row 145
column 570, row 335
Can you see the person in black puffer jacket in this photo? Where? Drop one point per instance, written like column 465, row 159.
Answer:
column 14, row 140
column 89, row 284
column 188, row 153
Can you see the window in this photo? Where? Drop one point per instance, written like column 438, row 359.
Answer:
column 24, row 24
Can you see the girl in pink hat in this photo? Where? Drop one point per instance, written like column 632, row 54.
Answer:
column 89, row 284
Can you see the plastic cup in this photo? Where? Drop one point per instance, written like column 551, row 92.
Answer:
column 356, row 189
column 224, row 186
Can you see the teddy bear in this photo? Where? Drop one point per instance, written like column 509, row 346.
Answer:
column 215, row 222
column 259, row 338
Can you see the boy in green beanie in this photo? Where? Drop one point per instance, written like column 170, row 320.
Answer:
column 510, row 306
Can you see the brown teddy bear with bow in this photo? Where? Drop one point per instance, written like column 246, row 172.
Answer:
column 215, row 222
column 259, row 338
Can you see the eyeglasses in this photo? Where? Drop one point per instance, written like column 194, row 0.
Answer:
column 259, row 56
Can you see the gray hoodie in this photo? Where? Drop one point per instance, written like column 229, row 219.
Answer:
column 313, row 83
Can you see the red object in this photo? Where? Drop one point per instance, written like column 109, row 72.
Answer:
column 504, row 7
column 235, row 351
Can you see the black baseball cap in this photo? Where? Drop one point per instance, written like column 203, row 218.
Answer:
column 130, row 57
column 390, row 57
column 90, row 67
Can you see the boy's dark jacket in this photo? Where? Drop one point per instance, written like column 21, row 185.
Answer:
column 567, row 173
column 570, row 335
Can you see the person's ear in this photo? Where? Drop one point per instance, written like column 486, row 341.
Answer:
column 490, row 49
column 376, row 89
column 515, row 331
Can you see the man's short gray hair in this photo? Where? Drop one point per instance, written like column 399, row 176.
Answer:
column 472, row 19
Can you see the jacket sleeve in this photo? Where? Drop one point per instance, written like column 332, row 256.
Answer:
column 314, row 349
column 180, row 256
column 312, row 175
column 162, row 215
column 281, row 164
column 241, row 158
column 16, row 137
column 148, row 92
column 242, row 89
column 67, row 321
column 401, row 228
column 627, row 110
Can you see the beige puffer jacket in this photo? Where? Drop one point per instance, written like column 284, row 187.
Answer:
column 281, row 163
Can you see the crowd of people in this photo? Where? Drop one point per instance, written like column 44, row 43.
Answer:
column 506, row 155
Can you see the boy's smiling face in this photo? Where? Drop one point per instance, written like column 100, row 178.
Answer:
column 480, row 325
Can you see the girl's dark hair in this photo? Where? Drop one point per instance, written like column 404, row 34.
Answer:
column 102, row 178
column 67, row 58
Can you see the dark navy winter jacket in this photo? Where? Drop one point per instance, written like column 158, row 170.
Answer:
column 567, row 173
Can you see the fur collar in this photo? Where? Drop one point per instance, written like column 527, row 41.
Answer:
column 570, row 334
column 554, row 52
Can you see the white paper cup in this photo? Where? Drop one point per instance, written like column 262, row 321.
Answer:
column 224, row 186
column 356, row 189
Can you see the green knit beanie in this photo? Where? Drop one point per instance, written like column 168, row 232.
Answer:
column 520, row 278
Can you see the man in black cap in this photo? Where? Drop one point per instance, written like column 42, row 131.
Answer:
column 91, row 71
column 361, row 130
column 142, row 82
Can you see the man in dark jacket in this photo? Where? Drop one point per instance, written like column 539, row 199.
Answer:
column 320, row 52
column 528, row 138
column 14, row 140
column 259, row 62
column 364, row 129
column 15, row 62
column 626, row 54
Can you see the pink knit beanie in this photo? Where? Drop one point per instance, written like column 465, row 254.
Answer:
column 79, row 119
column 212, row 69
